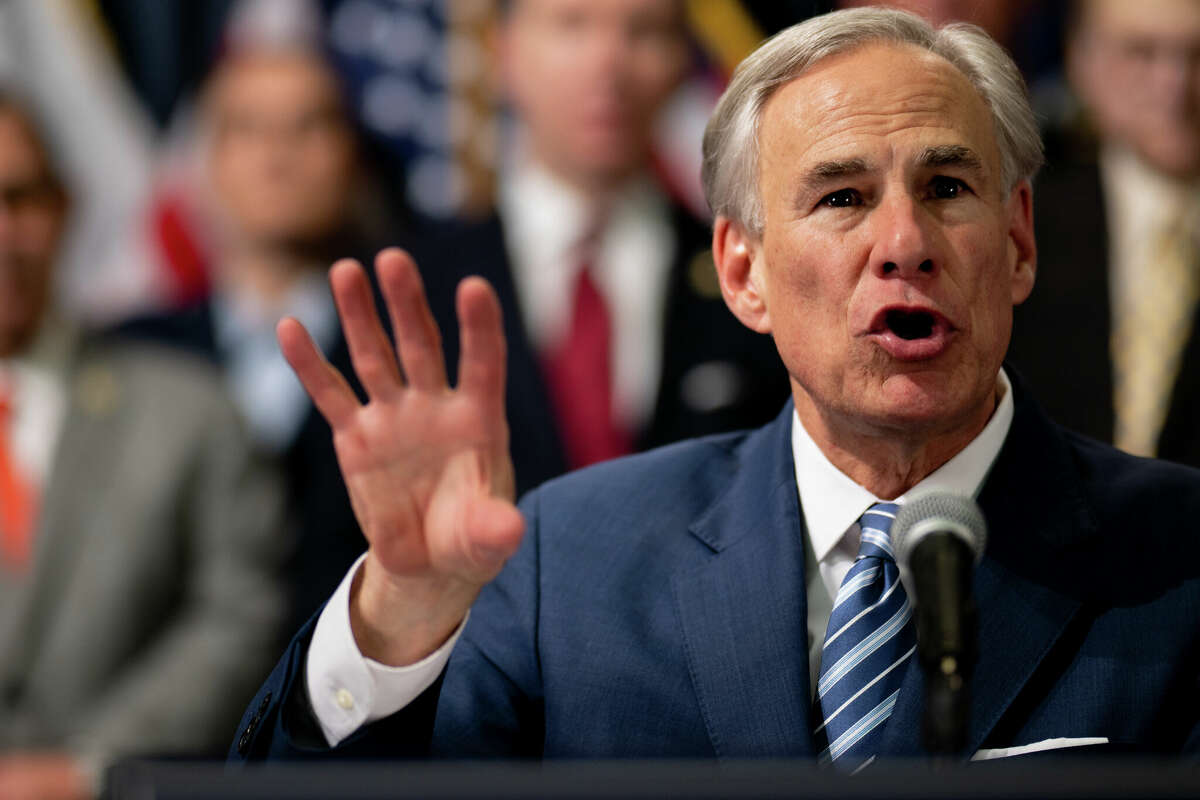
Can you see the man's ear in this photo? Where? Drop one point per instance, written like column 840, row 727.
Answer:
column 735, row 253
column 1022, row 248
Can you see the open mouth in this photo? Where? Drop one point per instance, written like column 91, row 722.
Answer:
column 909, row 325
column 912, row 334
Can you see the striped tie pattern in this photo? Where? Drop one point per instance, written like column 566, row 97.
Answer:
column 869, row 639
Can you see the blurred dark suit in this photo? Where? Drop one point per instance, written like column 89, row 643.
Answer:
column 1060, row 341
column 701, row 340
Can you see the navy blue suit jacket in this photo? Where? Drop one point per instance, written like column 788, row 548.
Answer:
column 657, row 608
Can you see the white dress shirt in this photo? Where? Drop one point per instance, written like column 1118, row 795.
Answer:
column 1139, row 204
column 267, row 393
column 37, row 379
column 545, row 221
column 832, row 504
column 38, row 383
column 348, row 690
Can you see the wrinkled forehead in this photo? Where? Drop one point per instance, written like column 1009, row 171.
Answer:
column 273, row 80
column 874, row 93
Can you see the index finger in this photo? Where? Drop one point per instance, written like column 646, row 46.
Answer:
column 326, row 386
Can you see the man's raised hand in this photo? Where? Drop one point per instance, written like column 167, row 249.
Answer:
column 427, row 466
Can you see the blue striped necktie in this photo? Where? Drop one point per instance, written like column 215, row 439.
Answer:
column 869, row 639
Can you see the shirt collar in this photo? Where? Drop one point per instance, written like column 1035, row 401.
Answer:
column 1147, row 200
column 51, row 350
column 831, row 502
column 241, row 317
column 546, row 219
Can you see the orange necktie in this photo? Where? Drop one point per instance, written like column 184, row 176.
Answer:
column 18, row 498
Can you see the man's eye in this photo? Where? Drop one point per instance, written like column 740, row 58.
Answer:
column 944, row 188
column 843, row 198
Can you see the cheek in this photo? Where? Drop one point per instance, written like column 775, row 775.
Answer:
column 38, row 236
column 789, row 275
column 234, row 171
column 327, row 166
column 808, row 306
column 653, row 76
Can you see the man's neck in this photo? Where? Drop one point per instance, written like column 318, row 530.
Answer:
column 888, row 462
column 597, row 189
column 264, row 273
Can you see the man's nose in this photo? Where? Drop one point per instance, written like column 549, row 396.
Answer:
column 902, row 242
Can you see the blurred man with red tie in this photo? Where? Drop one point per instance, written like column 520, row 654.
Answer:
column 615, row 325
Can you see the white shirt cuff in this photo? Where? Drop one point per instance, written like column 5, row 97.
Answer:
column 348, row 690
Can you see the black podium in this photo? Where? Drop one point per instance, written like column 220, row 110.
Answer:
column 1061, row 779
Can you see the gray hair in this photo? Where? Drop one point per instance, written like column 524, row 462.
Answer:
column 730, row 169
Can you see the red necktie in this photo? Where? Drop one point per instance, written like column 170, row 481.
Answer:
column 579, row 377
column 18, row 499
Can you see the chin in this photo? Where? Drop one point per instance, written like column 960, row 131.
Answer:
column 924, row 401
column 609, row 157
column 1180, row 160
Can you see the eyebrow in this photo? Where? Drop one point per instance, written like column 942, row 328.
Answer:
column 951, row 155
column 828, row 171
column 946, row 155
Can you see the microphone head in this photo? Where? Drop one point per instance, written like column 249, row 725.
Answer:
column 937, row 511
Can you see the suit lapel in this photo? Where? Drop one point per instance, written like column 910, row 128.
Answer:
column 74, row 489
column 1180, row 438
column 1024, row 603
column 480, row 249
column 1067, row 319
column 741, row 604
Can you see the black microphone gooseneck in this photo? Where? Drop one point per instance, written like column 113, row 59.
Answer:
column 938, row 537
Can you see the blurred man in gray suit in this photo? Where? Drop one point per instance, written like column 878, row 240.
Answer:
column 138, row 538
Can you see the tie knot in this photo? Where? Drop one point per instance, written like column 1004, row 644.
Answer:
column 876, row 524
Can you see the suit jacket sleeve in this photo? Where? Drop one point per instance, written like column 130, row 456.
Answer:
column 487, row 703
column 187, row 683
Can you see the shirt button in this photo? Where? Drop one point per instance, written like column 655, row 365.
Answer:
column 344, row 699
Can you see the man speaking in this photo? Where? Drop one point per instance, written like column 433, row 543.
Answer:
column 736, row 596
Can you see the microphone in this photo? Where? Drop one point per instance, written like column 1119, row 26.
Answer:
column 938, row 537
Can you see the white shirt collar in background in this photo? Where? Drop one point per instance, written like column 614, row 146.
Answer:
column 267, row 393
column 1139, row 204
column 544, row 220
column 40, row 395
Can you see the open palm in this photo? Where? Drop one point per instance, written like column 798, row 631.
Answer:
column 426, row 465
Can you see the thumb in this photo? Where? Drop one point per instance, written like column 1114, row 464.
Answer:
column 496, row 528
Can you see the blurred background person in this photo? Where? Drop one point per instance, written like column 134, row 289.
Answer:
column 280, row 124
column 1109, row 339
column 287, row 199
column 105, row 147
column 591, row 258
column 139, row 539
column 1031, row 30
